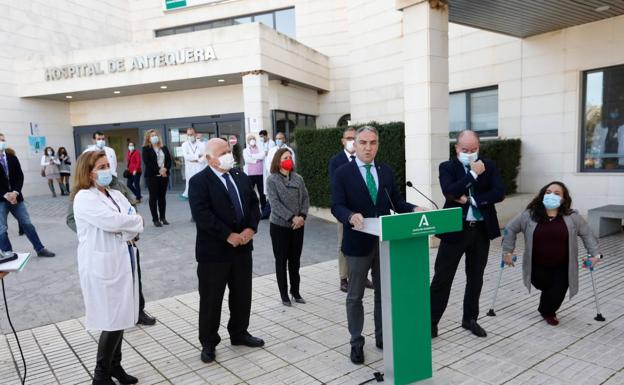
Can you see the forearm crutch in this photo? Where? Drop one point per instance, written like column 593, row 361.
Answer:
column 588, row 264
column 491, row 312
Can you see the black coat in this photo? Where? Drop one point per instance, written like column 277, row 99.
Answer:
column 150, row 161
column 215, row 217
column 15, row 181
column 336, row 161
column 488, row 190
column 350, row 195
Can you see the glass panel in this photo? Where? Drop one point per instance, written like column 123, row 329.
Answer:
column 285, row 22
column 603, row 131
column 484, row 112
column 242, row 20
column 311, row 122
column 188, row 28
column 222, row 23
column 280, row 123
column 266, row 18
column 457, row 113
column 177, row 136
column 165, row 32
column 301, row 120
column 203, row 26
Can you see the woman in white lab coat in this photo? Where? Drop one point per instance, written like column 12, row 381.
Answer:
column 106, row 224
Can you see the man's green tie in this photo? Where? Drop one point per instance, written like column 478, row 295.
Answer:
column 475, row 210
column 370, row 183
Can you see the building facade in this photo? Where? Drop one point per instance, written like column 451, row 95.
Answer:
column 230, row 67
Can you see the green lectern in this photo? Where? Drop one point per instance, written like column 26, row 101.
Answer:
column 404, row 264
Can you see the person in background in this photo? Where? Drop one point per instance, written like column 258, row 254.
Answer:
column 11, row 152
column 64, row 168
column 264, row 142
column 290, row 203
column 254, row 166
column 364, row 188
column 550, row 260
column 475, row 185
column 195, row 160
column 226, row 213
column 346, row 155
column 50, row 164
column 280, row 142
column 106, row 225
column 12, row 200
column 157, row 161
column 133, row 159
column 99, row 144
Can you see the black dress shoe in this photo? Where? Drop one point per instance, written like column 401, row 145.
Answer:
column 157, row 224
column 124, row 378
column 344, row 285
column 208, row 354
column 287, row 303
column 103, row 381
column 474, row 327
column 146, row 319
column 434, row 331
column 298, row 299
column 164, row 221
column 249, row 340
column 357, row 355
column 45, row 253
column 379, row 344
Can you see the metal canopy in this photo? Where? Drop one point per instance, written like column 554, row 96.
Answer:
column 524, row 18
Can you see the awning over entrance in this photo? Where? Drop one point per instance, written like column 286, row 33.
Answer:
column 201, row 59
column 524, row 18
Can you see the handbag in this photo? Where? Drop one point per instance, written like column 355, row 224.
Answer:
column 126, row 174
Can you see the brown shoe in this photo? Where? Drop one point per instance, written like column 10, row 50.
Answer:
column 344, row 285
column 369, row 284
column 551, row 320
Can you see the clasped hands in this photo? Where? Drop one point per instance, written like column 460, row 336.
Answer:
column 242, row 238
column 11, row 197
column 297, row 222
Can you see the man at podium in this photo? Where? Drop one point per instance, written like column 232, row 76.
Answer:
column 362, row 189
column 475, row 185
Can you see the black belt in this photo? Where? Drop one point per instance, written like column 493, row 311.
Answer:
column 474, row 223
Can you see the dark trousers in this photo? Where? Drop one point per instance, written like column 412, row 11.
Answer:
column 476, row 245
column 108, row 353
column 258, row 183
column 287, row 246
column 213, row 277
column 553, row 282
column 358, row 275
column 134, row 184
column 157, row 187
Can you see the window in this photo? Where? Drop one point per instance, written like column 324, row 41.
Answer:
column 344, row 120
column 282, row 20
column 287, row 122
column 475, row 110
column 602, row 132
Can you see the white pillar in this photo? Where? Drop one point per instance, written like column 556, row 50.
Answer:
column 426, row 96
column 256, row 102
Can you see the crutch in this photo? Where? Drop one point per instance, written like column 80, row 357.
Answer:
column 491, row 313
column 588, row 264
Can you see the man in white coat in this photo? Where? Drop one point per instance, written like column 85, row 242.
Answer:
column 99, row 144
column 195, row 160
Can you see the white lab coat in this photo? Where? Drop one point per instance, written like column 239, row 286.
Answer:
column 110, row 155
column 269, row 159
column 193, row 152
column 109, row 285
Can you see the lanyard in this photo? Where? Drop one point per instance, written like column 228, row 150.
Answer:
column 112, row 200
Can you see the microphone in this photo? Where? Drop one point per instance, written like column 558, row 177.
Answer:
column 409, row 184
column 390, row 199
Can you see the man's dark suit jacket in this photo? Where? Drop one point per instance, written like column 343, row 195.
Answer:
column 15, row 181
column 488, row 190
column 150, row 162
column 350, row 196
column 336, row 161
column 215, row 217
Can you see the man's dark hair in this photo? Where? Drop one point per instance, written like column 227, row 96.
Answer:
column 96, row 133
column 263, row 132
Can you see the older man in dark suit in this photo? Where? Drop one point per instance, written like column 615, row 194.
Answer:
column 226, row 213
column 362, row 189
column 475, row 185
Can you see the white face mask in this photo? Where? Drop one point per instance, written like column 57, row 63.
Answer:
column 226, row 161
column 154, row 139
column 130, row 148
column 191, row 139
column 467, row 158
column 100, row 143
column 349, row 146
column 49, row 153
column 252, row 142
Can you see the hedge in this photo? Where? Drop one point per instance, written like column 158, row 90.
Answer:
column 505, row 153
column 315, row 147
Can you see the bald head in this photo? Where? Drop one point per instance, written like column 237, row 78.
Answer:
column 467, row 142
column 217, row 147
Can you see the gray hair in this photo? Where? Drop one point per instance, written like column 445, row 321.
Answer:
column 466, row 132
column 366, row 129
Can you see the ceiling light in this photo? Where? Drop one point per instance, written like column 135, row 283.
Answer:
column 68, row 96
column 602, row 8
column 221, row 80
column 163, row 87
column 116, row 92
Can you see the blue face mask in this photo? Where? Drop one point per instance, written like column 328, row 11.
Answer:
column 467, row 158
column 100, row 143
column 104, row 177
column 279, row 142
column 154, row 139
column 551, row 201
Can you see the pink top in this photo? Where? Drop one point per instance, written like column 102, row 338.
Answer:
column 255, row 168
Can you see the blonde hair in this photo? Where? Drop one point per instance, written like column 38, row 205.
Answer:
column 148, row 134
column 82, row 173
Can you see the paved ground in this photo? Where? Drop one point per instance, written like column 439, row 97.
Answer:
column 48, row 290
column 308, row 344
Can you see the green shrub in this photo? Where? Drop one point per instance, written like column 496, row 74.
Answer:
column 506, row 154
column 315, row 147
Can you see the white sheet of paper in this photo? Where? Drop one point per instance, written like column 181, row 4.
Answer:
column 371, row 226
column 16, row 265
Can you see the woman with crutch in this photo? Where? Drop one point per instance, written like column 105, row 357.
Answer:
column 550, row 262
